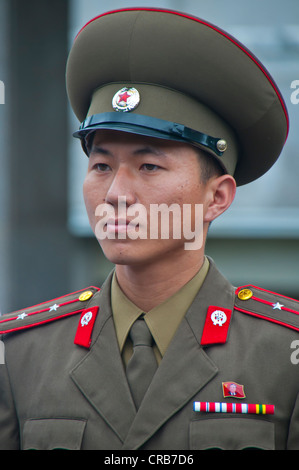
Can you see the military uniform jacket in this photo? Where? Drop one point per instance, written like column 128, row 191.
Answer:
column 63, row 384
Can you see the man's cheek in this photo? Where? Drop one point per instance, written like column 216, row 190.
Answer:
column 103, row 213
column 90, row 210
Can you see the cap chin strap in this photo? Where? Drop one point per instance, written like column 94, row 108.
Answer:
column 149, row 126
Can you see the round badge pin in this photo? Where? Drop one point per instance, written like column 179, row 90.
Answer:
column 218, row 317
column 86, row 318
column 126, row 99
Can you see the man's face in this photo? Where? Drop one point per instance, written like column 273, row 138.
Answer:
column 126, row 172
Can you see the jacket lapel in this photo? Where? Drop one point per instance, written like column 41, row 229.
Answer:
column 178, row 378
column 100, row 374
column 185, row 368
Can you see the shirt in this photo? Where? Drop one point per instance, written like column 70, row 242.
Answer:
column 163, row 320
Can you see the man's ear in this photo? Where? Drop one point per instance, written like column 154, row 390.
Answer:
column 220, row 194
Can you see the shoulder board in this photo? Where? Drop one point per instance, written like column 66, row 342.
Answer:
column 268, row 306
column 55, row 309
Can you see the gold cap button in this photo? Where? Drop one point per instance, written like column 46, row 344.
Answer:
column 85, row 295
column 221, row 145
column 245, row 294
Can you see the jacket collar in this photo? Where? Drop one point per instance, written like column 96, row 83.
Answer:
column 185, row 368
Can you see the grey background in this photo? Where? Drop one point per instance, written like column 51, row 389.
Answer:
column 45, row 245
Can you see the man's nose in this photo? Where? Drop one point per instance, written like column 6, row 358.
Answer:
column 121, row 188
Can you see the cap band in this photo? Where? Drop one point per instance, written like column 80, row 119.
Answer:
column 146, row 125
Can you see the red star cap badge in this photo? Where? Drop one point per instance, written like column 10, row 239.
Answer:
column 126, row 99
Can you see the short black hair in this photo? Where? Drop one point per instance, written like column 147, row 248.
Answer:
column 209, row 166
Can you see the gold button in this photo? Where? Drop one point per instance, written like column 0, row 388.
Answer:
column 245, row 294
column 221, row 145
column 85, row 295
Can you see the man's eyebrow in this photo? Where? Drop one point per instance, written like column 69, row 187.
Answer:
column 148, row 149
column 98, row 149
column 144, row 150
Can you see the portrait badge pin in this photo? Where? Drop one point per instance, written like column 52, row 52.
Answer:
column 233, row 390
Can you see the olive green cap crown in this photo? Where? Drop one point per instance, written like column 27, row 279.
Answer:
column 192, row 82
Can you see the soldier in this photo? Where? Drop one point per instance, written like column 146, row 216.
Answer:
column 174, row 111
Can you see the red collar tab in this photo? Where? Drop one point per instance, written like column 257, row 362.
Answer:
column 85, row 327
column 216, row 326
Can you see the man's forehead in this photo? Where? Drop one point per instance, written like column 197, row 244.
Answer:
column 108, row 136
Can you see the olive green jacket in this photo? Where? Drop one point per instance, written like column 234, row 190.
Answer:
column 58, row 394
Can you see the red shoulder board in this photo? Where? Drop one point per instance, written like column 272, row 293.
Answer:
column 268, row 306
column 60, row 307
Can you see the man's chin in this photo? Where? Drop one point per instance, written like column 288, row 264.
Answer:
column 119, row 253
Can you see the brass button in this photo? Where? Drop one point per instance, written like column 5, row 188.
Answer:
column 85, row 295
column 245, row 294
column 221, row 145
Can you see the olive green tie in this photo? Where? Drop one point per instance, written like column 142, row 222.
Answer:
column 142, row 365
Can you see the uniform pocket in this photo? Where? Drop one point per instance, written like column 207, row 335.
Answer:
column 53, row 433
column 231, row 434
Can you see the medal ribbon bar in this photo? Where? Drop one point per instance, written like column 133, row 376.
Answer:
column 245, row 408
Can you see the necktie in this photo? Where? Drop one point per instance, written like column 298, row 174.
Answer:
column 142, row 365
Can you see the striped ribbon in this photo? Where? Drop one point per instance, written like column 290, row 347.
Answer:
column 245, row 408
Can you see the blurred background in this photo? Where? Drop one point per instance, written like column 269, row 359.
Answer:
column 46, row 247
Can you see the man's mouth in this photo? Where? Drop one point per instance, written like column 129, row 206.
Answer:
column 119, row 225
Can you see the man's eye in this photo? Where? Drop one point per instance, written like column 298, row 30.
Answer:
column 102, row 167
column 150, row 167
